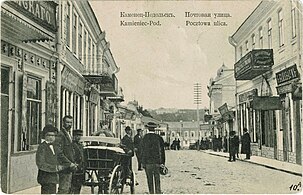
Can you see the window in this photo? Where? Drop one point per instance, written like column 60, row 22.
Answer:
column 68, row 25
column 80, row 40
column 269, row 33
column 241, row 51
column 85, row 47
column 261, row 37
column 246, row 46
column 185, row 134
column 253, row 41
column 281, row 28
column 192, row 134
column 33, row 114
column 93, row 57
column 74, row 33
column 293, row 19
column 89, row 53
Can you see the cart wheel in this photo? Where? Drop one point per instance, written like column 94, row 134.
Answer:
column 115, row 183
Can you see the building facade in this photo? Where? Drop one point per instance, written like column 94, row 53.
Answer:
column 268, row 56
column 28, row 87
column 221, row 90
column 55, row 61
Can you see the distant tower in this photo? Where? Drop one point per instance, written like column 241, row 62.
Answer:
column 197, row 100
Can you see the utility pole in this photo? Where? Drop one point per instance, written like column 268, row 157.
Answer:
column 197, row 101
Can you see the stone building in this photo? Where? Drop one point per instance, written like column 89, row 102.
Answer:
column 221, row 91
column 28, row 87
column 268, row 56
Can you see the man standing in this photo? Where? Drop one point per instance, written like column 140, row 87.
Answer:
column 153, row 155
column 78, row 175
column 128, row 146
column 138, row 150
column 233, row 146
column 66, row 156
column 245, row 149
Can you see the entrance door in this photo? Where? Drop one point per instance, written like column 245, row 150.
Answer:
column 4, row 127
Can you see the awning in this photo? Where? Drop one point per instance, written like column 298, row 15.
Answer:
column 19, row 27
column 266, row 103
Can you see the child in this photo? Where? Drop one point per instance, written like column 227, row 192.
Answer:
column 47, row 163
column 78, row 175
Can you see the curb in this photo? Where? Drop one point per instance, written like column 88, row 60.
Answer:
column 267, row 166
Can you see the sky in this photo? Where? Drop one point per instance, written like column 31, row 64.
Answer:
column 159, row 65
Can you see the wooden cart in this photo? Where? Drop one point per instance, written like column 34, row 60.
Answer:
column 103, row 165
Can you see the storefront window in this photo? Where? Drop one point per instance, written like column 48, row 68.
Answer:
column 34, row 104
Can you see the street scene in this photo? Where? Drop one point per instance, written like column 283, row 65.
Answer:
column 151, row 97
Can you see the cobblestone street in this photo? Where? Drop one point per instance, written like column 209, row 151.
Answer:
column 192, row 172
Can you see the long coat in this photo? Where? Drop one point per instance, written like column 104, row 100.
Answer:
column 233, row 145
column 129, row 144
column 67, row 154
column 245, row 149
column 47, row 164
column 153, row 149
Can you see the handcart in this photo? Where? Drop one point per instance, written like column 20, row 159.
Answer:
column 103, row 165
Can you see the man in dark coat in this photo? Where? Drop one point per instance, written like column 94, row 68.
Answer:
column 78, row 175
column 153, row 155
column 245, row 149
column 233, row 146
column 137, row 145
column 128, row 146
column 47, row 162
column 67, row 156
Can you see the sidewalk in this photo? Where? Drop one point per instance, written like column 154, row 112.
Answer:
column 266, row 162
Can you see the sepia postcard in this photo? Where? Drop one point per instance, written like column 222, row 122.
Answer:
column 151, row 97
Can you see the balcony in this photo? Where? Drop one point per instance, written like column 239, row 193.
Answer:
column 100, row 76
column 254, row 64
column 109, row 89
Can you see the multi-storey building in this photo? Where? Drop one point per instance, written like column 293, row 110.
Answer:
column 268, row 56
column 221, row 91
column 55, row 61
column 89, row 87
column 187, row 132
column 28, row 87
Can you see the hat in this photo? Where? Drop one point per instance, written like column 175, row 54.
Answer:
column 139, row 130
column 49, row 128
column 78, row 132
column 127, row 128
column 151, row 125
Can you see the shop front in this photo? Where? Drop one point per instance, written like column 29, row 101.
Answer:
column 289, row 88
column 28, row 80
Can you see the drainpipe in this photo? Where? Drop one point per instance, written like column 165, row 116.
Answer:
column 59, row 50
column 233, row 42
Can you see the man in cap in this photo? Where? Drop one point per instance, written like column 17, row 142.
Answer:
column 137, row 145
column 47, row 162
column 153, row 155
column 78, row 175
column 128, row 146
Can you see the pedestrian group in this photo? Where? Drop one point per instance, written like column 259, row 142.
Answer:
column 60, row 158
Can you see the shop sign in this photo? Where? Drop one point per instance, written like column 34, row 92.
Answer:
column 72, row 82
column 287, row 74
column 266, row 103
column 41, row 12
column 284, row 89
column 94, row 96
column 254, row 64
column 223, row 109
column 248, row 96
column 51, row 98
